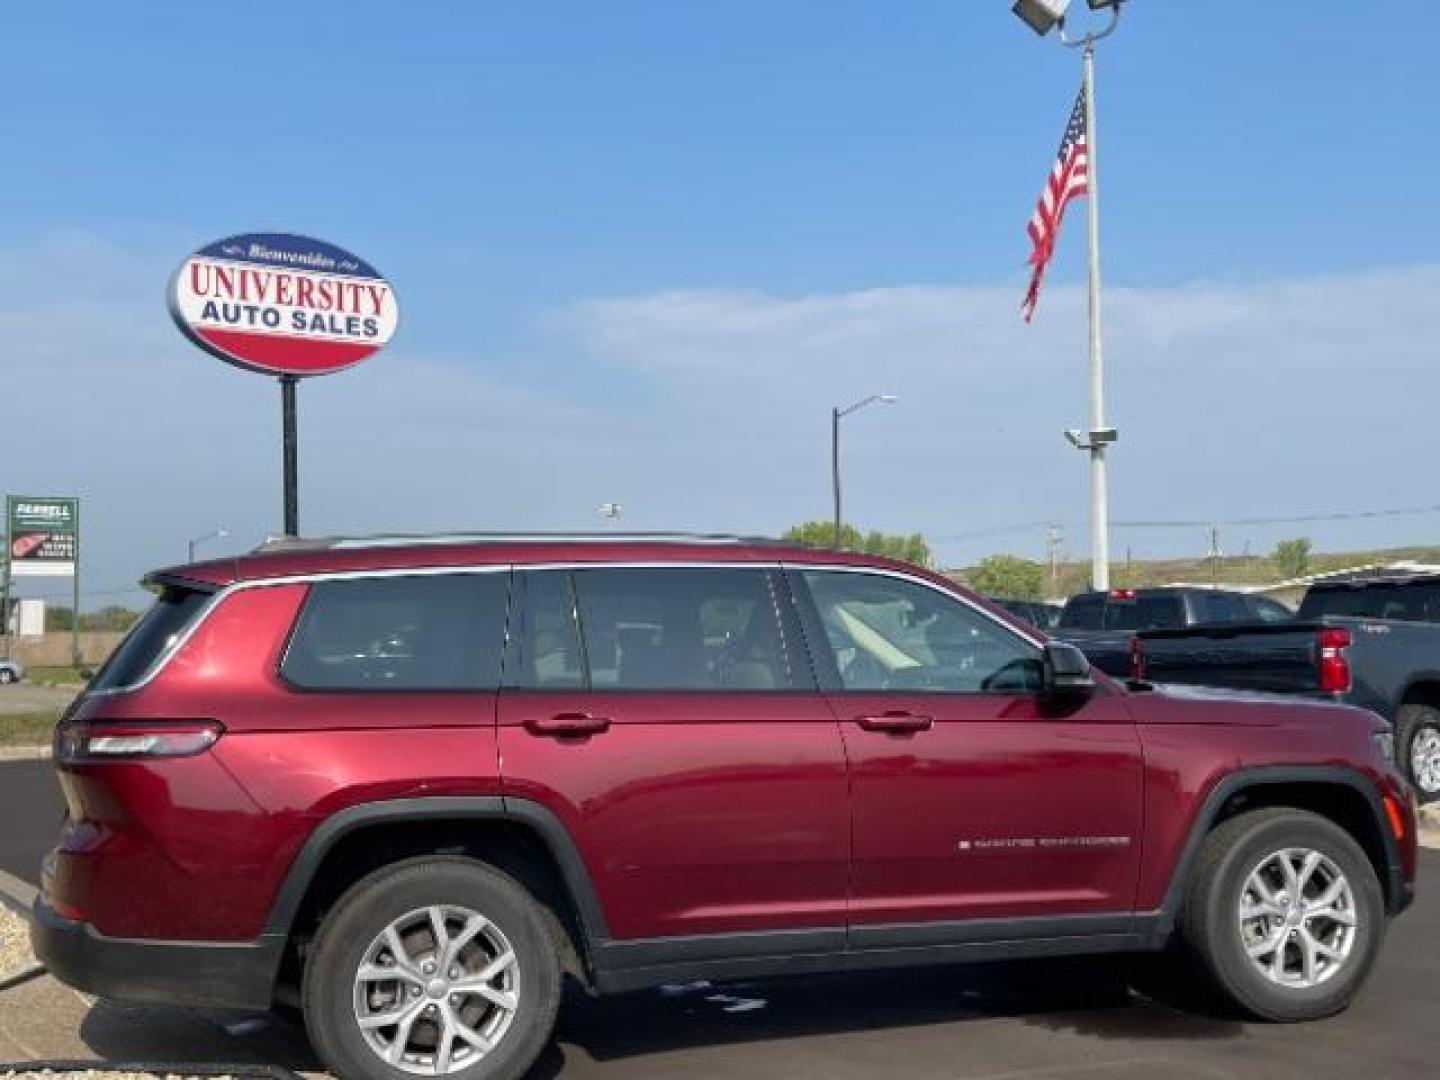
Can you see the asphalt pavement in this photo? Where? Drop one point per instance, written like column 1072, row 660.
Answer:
column 30, row 809
column 1104, row 1018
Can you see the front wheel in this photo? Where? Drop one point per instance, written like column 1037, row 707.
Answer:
column 439, row 967
column 6, row 676
column 1285, row 912
column 1417, row 740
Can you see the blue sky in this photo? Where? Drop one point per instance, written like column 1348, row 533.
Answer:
column 641, row 248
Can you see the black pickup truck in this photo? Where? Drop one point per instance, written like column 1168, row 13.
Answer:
column 1372, row 642
column 1104, row 624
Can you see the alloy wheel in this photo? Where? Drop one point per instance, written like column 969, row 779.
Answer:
column 1297, row 918
column 1425, row 760
column 436, row 990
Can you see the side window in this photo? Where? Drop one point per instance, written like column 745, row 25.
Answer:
column 430, row 632
column 1270, row 611
column 886, row 633
column 1222, row 608
column 550, row 648
column 656, row 629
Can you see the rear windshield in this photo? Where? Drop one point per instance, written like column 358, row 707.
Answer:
column 1406, row 601
column 1116, row 613
column 173, row 612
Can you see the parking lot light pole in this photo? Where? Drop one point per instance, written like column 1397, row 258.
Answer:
column 836, row 414
column 217, row 534
column 1042, row 16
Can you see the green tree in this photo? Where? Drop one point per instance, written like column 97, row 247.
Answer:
column 910, row 548
column 1292, row 557
column 1008, row 576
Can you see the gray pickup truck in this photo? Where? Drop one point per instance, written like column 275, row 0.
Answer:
column 1372, row 642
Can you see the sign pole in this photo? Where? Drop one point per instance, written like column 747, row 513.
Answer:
column 5, row 581
column 291, row 453
column 75, row 657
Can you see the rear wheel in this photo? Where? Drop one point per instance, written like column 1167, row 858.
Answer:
column 6, row 675
column 439, row 967
column 1417, row 739
column 1285, row 913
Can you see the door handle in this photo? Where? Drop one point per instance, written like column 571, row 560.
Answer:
column 896, row 723
column 568, row 725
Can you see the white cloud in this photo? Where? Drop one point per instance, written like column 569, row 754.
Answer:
column 710, row 410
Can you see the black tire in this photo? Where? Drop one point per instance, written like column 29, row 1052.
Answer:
column 6, row 676
column 363, row 913
column 1210, row 925
column 1417, row 724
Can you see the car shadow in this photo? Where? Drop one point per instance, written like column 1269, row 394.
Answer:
column 1114, row 997
column 1106, row 997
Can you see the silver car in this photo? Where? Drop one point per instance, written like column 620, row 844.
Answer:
column 11, row 671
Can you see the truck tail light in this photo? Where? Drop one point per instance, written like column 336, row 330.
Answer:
column 1137, row 660
column 134, row 739
column 1334, row 664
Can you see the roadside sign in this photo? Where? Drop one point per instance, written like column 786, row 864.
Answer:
column 43, row 535
column 281, row 304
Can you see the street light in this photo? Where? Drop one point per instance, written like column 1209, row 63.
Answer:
column 1042, row 16
column 835, row 416
column 218, row 534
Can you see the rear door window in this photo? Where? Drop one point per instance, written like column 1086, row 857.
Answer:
column 174, row 612
column 421, row 632
column 658, row 628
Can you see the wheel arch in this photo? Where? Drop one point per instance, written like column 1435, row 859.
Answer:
column 1337, row 793
column 518, row 836
column 1423, row 689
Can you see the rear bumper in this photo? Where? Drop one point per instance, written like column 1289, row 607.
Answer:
column 219, row 975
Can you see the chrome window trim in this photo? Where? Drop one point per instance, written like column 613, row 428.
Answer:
column 221, row 594
column 218, row 595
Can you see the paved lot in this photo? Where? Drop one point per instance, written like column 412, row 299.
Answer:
column 30, row 809
column 1051, row 1020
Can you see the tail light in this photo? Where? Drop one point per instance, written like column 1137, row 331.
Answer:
column 1137, row 660
column 130, row 740
column 1122, row 594
column 1334, row 664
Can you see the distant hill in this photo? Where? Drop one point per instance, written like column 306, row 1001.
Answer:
column 1228, row 570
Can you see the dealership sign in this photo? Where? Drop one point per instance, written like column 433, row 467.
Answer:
column 284, row 305
column 42, row 536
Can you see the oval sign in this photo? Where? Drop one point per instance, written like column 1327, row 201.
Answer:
column 282, row 304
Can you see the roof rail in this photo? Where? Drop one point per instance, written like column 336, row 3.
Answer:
column 326, row 543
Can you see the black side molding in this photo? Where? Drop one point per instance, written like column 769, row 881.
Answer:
column 478, row 808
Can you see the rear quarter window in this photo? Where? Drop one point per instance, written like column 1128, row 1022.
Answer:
column 422, row 632
column 174, row 612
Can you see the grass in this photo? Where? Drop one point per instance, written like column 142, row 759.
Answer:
column 60, row 674
column 27, row 728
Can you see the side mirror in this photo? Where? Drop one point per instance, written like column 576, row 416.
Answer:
column 1067, row 670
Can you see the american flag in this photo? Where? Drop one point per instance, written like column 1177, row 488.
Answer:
column 1066, row 181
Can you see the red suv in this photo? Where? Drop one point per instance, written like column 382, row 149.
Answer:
column 408, row 785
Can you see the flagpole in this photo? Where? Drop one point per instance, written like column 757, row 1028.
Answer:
column 1099, row 493
column 1100, row 435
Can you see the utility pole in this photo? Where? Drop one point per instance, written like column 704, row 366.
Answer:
column 1054, row 536
column 1214, row 556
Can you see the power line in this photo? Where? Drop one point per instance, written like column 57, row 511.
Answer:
column 1297, row 519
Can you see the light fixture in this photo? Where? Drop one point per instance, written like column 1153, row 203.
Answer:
column 1042, row 16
